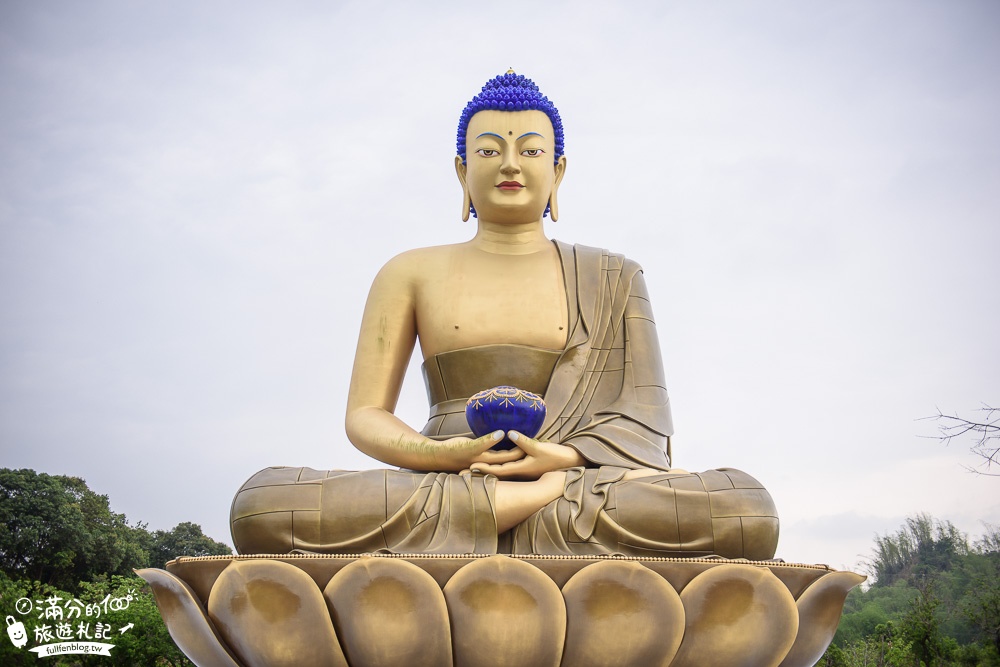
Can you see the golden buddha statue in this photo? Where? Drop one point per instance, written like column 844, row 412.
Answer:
column 507, row 557
column 510, row 307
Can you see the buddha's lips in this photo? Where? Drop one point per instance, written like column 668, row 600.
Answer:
column 510, row 185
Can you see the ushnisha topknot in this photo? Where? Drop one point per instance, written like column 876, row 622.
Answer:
column 510, row 92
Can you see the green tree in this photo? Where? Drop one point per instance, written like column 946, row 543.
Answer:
column 41, row 529
column 185, row 539
column 146, row 642
column 866, row 610
column 982, row 604
column 921, row 626
column 59, row 539
column 934, row 601
column 55, row 530
column 922, row 545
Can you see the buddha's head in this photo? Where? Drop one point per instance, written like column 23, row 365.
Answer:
column 510, row 152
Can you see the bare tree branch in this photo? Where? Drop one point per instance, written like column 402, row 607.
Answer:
column 984, row 432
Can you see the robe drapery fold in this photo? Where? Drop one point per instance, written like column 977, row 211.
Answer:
column 280, row 510
column 610, row 408
column 606, row 398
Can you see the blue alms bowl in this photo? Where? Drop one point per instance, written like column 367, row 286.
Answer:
column 507, row 409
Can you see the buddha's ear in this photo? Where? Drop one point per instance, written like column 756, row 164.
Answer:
column 461, row 169
column 560, row 168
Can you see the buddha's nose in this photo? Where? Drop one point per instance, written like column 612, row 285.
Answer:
column 510, row 164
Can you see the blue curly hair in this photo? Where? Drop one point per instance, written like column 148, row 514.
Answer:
column 510, row 92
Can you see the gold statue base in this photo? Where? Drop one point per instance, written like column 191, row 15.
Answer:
column 477, row 610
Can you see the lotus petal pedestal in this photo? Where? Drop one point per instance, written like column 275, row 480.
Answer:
column 477, row 610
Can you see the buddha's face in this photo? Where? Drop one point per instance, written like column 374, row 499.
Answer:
column 509, row 172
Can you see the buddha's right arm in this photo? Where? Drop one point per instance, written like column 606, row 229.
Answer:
column 388, row 336
column 385, row 437
column 385, row 343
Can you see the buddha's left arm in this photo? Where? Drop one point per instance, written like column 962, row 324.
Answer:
column 632, row 429
column 628, row 422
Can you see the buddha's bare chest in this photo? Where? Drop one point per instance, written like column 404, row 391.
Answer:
column 517, row 300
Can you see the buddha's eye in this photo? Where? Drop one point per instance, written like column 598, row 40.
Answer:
column 532, row 152
column 488, row 152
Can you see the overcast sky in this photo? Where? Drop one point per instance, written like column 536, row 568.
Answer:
column 194, row 198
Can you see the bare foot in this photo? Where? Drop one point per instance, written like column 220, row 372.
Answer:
column 516, row 501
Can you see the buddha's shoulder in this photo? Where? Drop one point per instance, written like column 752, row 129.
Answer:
column 418, row 261
column 606, row 259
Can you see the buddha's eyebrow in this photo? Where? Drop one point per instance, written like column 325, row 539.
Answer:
column 528, row 134
column 490, row 134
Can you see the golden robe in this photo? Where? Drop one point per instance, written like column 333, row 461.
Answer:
column 605, row 396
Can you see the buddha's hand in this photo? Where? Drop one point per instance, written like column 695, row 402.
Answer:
column 461, row 453
column 539, row 458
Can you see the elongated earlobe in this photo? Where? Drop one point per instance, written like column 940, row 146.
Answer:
column 560, row 168
column 460, row 169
